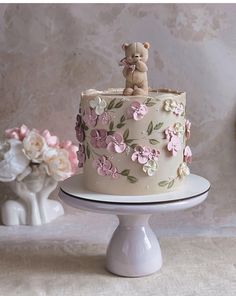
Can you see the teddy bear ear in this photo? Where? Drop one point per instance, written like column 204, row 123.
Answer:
column 146, row 45
column 124, row 45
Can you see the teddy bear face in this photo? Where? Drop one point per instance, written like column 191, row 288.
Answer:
column 136, row 51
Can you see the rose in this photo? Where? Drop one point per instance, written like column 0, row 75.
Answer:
column 34, row 146
column 57, row 163
column 13, row 160
column 18, row 133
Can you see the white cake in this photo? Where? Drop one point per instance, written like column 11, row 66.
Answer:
column 132, row 145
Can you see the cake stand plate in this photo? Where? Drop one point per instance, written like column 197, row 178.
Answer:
column 134, row 250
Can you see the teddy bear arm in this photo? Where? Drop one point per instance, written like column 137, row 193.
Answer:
column 125, row 72
column 141, row 66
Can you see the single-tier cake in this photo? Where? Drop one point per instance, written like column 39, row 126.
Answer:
column 133, row 145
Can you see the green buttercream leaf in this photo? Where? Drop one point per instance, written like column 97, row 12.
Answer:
column 111, row 125
column 122, row 119
column 171, row 184
column 88, row 152
column 120, row 125
column 133, row 145
column 153, row 141
column 119, row 104
column 163, row 183
column 158, row 126
column 150, row 128
column 125, row 173
column 132, row 179
column 126, row 134
column 111, row 104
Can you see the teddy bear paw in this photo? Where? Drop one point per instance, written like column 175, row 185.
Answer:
column 128, row 91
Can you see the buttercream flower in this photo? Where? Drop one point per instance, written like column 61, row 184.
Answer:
column 103, row 165
column 57, row 163
column 72, row 154
column 90, row 117
column 104, row 118
column 150, row 168
column 170, row 105
column 141, row 154
column 81, row 156
column 187, row 154
column 187, row 128
column 183, row 170
column 169, row 133
column 179, row 129
column 52, row 141
column 179, row 109
column 154, row 154
column 34, row 146
column 98, row 138
column 115, row 143
column 80, row 134
column 174, row 145
column 18, row 133
column 98, row 104
column 13, row 161
column 137, row 111
column 113, row 172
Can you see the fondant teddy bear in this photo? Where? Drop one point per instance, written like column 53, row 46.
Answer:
column 135, row 68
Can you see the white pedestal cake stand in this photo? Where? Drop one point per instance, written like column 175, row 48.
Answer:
column 134, row 249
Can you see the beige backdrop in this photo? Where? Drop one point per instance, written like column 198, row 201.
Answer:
column 50, row 53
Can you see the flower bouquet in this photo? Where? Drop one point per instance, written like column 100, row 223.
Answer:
column 32, row 163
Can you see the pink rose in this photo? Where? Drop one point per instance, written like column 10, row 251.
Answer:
column 90, row 117
column 98, row 138
column 115, row 143
column 104, row 118
column 137, row 111
column 17, row 133
column 81, row 156
column 52, row 141
column 141, row 154
column 187, row 154
column 72, row 153
column 169, row 133
column 187, row 128
column 174, row 145
column 103, row 165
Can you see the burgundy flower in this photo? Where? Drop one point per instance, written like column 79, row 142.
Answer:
column 90, row 117
column 81, row 156
column 115, row 143
column 104, row 118
column 98, row 138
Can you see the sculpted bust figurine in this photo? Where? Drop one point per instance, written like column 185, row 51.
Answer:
column 135, row 68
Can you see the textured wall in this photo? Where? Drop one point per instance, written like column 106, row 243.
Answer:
column 50, row 53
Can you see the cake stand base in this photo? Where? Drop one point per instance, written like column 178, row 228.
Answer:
column 134, row 250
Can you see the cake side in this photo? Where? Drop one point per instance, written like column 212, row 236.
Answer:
column 131, row 145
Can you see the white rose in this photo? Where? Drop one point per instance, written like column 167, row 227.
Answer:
column 183, row 170
column 34, row 146
column 57, row 163
column 13, row 161
column 98, row 104
column 150, row 168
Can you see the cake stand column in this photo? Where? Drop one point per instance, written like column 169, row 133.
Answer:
column 134, row 249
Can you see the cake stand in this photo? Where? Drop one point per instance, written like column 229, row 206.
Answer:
column 134, row 250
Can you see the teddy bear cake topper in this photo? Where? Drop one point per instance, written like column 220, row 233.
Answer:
column 135, row 68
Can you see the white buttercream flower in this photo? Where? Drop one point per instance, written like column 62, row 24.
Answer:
column 183, row 170
column 150, row 167
column 57, row 163
column 179, row 129
column 13, row 161
column 34, row 146
column 98, row 104
column 170, row 105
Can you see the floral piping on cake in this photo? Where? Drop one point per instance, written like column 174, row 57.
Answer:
column 171, row 105
column 136, row 110
column 187, row 154
column 182, row 171
column 98, row 104
column 187, row 128
column 173, row 135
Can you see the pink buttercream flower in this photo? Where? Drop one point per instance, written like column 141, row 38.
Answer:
column 187, row 154
column 90, row 117
column 103, row 165
column 104, row 118
column 81, row 156
column 137, row 111
column 187, row 128
column 115, row 143
column 52, row 141
column 141, row 154
column 179, row 109
column 169, row 133
column 154, row 154
column 72, row 153
column 18, row 133
column 174, row 145
column 113, row 172
column 98, row 138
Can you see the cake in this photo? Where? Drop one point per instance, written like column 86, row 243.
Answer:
column 133, row 144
